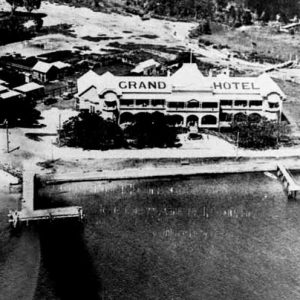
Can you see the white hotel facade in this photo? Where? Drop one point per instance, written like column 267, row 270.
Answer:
column 191, row 98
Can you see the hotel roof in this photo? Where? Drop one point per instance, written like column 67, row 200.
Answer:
column 262, row 85
column 189, row 77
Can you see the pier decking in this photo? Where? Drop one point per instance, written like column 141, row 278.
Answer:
column 28, row 213
column 288, row 181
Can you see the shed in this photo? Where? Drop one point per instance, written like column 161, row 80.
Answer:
column 147, row 67
column 44, row 72
column 3, row 83
column 3, row 89
column 31, row 90
column 11, row 95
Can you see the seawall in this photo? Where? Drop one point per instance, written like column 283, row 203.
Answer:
column 186, row 168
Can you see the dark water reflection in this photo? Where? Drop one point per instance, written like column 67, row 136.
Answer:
column 211, row 237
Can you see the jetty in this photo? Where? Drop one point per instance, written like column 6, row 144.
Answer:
column 288, row 181
column 28, row 213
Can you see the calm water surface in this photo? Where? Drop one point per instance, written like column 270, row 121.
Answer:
column 210, row 237
column 19, row 254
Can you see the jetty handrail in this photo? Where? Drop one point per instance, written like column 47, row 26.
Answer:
column 288, row 181
column 28, row 213
column 288, row 176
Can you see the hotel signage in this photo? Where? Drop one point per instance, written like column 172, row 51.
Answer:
column 236, row 86
column 144, row 85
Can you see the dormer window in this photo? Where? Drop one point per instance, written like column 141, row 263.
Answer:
column 193, row 104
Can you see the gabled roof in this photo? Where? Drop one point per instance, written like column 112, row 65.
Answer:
column 42, row 67
column 189, row 77
column 60, row 65
column 104, row 82
column 2, row 82
column 9, row 94
column 31, row 86
column 87, row 80
column 3, row 89
column 145, row 64
column 268, row 86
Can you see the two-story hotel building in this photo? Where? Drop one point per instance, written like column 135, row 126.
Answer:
column 187, row 95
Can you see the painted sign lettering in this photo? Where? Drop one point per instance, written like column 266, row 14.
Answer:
column 235, row 85
column 148, row 85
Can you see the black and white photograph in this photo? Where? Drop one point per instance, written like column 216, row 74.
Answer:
column 149, row 150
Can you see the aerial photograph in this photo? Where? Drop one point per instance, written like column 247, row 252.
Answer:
column 149, row 150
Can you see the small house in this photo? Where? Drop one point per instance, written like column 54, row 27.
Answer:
column 147, row 68
column 3, row 83
column 11, row 95
column 62, row 68
column 31, row 91
column 3, row 89
column 44, row 72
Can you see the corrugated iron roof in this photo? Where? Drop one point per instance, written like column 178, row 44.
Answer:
column 31, row 86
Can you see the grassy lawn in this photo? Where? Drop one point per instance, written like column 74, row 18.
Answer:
column 291, row 107
column 61, row 104
column 267, row 40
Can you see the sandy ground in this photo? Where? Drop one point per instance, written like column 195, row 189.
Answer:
column 130, row 29
column 88, row 23
column 31, row 151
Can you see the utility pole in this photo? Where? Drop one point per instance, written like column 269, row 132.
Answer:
column 59, row 129
column 191, row 56
column 237, row 144
column 278, row 125
column 7, row 135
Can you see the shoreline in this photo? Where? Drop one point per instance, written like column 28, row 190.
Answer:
column 186, row 169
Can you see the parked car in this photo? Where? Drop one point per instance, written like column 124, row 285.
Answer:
column 195, row 136
column 50, row 100
column 67, row 96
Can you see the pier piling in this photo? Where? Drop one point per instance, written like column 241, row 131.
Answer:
column 288, row 181
column 28, row 213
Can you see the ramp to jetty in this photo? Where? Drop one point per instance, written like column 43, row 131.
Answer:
column 288, row 181
column 27, row 212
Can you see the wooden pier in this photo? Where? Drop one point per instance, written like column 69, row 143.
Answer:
column 288, row 181
column 28, row 213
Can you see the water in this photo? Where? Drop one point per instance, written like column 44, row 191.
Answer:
column 19, row 254
column 210, row 237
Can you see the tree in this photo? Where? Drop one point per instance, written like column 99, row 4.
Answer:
column 90, row 131
column 151, row 131
column 258, row 134
column 18, row 112
column 28, row 4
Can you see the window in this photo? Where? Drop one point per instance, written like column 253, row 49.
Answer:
column 193, row 104
column 176, row 105
column 255, row 103
column 110, row 103
column 126, row 102
column 158, row 102
column 226, row 103
column 242, row 103
column 142, row 102
column 209, row 120
column 225, row 117
column 209, row 105
column 274, row 105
